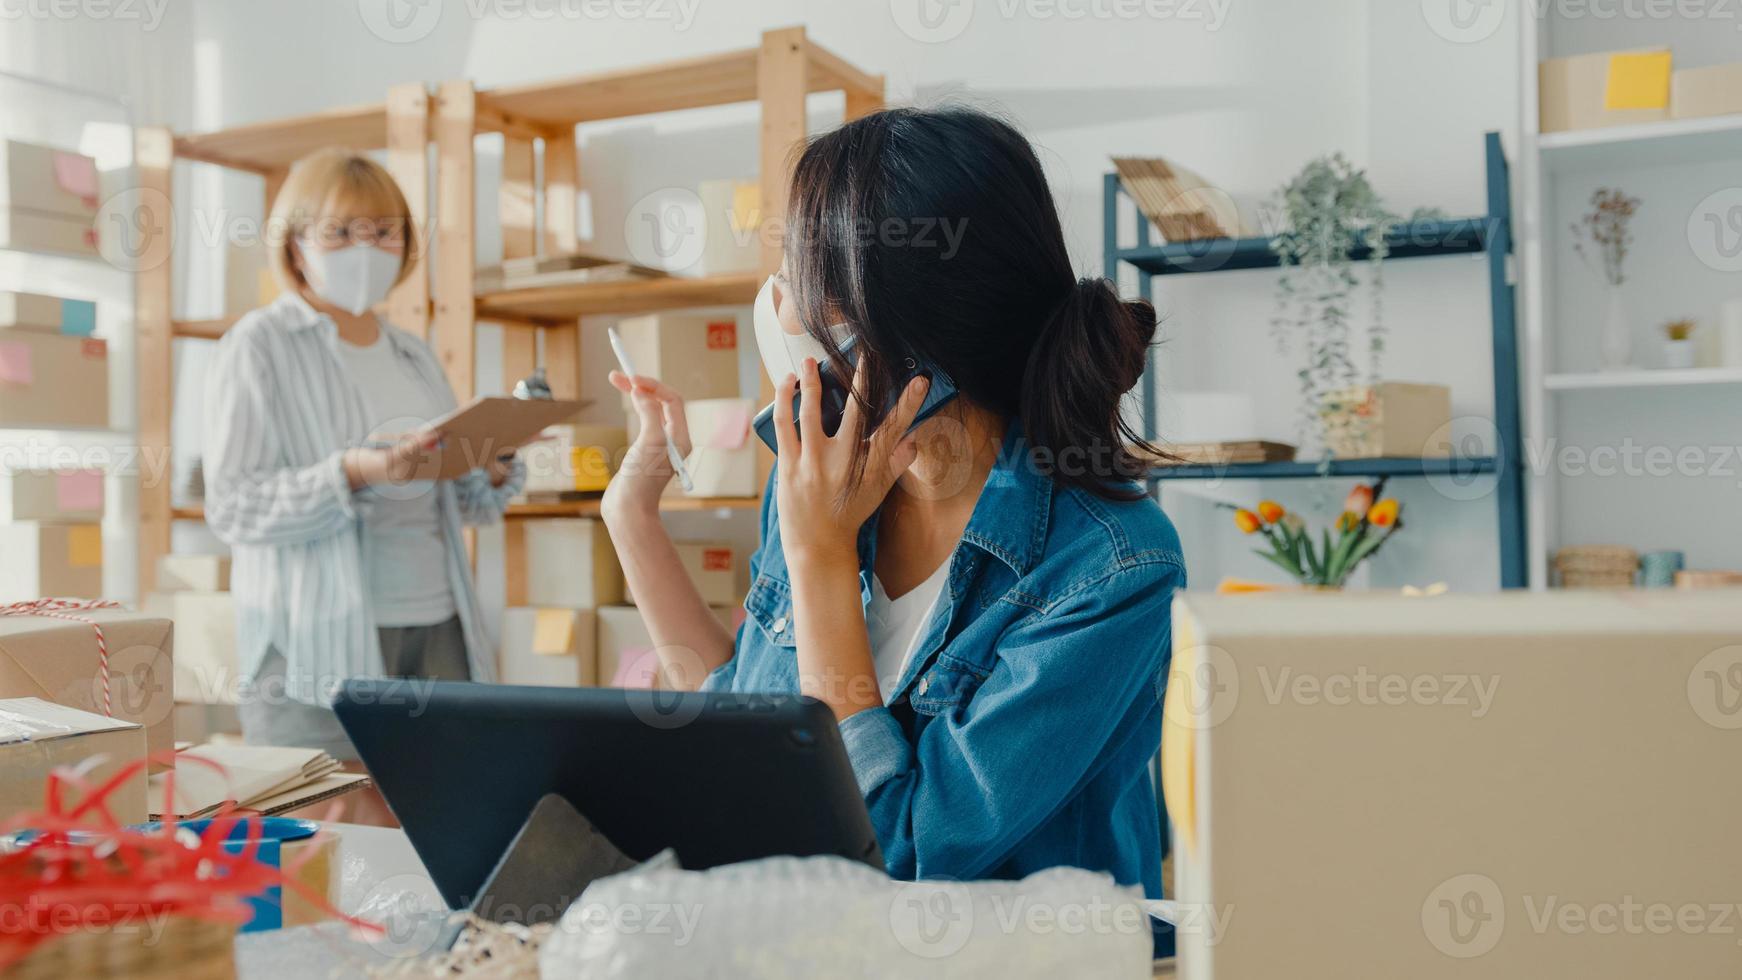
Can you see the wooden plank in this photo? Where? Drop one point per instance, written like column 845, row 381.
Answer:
column 590, row 506
column 562, row 188
column 453, row 333
column 561, row 304
column 863, row 102
column 408, row 161
column 274, row 183
column 272, row 145
column 517, row 200
column 153, row 313
column 519, row 359
column 781, row 85
column 562, row 360
column 833, row 71
column 689, row 83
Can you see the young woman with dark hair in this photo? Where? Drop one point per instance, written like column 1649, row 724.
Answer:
column 982, row 598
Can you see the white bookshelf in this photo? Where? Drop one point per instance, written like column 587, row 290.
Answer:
column 1596, row 439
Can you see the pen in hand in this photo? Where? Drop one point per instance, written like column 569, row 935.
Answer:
column 671, row 453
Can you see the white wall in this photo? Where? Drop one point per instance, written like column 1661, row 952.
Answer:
column 1245, row 91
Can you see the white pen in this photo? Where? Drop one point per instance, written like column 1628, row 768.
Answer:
column 671, row 453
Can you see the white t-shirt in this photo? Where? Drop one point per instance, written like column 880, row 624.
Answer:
column 895, row 624
column 408, row 566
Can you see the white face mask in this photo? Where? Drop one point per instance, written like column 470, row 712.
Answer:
column 353, row 278
column 783, row 353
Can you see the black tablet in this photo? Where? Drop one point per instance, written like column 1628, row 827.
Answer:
column 720, row 778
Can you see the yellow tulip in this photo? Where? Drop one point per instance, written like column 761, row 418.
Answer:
column 1246, row 521
column 1270, row 510
column 1384, row 513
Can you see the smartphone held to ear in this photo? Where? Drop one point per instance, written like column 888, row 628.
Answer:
column 835, row 395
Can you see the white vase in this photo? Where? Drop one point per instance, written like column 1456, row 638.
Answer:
column 1617, row 334
column 1678, row 354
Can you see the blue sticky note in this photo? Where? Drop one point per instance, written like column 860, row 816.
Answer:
column 78, row 317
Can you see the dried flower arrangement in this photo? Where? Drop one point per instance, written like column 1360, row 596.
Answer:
column 1604, row 231
column 1679, row 329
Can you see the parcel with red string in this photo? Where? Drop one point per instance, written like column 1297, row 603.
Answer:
column 107, row 661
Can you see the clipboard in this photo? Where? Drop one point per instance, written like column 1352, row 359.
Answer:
column 474, row 434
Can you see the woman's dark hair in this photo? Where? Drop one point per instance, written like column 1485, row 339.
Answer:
column 932, row 233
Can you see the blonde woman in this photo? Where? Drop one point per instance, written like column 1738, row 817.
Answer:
column 344, row 564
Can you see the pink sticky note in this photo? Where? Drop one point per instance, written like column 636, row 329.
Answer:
column 15, row 365
column 731, row 428
column 76, row 174
column 79, row 490
column 637, row 667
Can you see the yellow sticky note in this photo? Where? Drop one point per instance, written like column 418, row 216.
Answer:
column 85, row 546
column 553, row 631
column 1638, row 81
column 1179, row 743
column 746, row 207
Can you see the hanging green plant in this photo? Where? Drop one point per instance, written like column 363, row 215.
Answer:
column 1325, row 211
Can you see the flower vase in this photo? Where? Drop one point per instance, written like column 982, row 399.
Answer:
column 1617, row 334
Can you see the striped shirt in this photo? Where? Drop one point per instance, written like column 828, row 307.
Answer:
column 282, row 412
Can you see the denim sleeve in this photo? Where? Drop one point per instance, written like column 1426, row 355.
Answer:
column 724, row 675
column 1066, row 684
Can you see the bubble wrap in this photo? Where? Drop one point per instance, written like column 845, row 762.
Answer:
column 803, row 918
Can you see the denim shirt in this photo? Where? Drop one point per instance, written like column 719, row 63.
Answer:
column 1019, row 734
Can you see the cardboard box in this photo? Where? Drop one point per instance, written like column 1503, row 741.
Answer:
column 722, row 462
column 1389, row 419
column 697, row 355
column 53, row 560
column 64, row 496
column 626, row 654
column 549, row 646
column 732, row 210
column 193, row 573
column 1457, row 771
column 43, row 231
column 57, row 660
column 47, row 179
column 570, row 564
column 53, row 381
column 1699, row 92
column 713, row 567
column 1610, row 88
column 205, row 664
column 53, row 314
column 574, row 458
column 38, row 736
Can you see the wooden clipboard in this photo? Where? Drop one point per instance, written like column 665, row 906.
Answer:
column 474, row 434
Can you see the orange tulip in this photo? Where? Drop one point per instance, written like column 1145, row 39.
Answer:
column 1270, row 510
column 1384, row 513
column 1246, row 521
column 1359, row 500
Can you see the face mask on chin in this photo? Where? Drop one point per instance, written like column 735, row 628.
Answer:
column 353, row 278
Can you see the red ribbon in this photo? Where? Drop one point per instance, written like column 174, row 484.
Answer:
column 61, row 609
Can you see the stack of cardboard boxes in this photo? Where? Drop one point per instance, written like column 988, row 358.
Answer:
column 580, row 627
column 48, row 200
column 51, row 534
column 698, row 356
column 1620, row 88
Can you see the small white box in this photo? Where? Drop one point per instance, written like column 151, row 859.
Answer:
column 50, row 560
column 46, row 179
column 732, row 210
column 57, row 496
column 722, row 462
column 193, row 573
column 696, row 355
column 570, row 564
column 548, row 646
column 713, row 567
column 44, row 231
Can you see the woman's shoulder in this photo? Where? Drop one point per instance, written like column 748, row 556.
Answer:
column 1100, row 537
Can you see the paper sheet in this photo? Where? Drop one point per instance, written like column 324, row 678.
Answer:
column 79, row 490
column 1638, row 81
column 637, row 668
column 76, row 174
column 85, row 546
column 15, row 364
column 553, row 631
column 731, row 427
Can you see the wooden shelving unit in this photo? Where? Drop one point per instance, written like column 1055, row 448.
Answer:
column 540, row 172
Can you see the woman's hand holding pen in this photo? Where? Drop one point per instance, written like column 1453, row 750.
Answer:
column 646, row 469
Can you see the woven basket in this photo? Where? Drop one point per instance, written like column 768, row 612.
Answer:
column 1596, row 567
column 186, row 949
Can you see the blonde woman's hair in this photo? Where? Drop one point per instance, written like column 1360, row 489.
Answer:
column 335, row 186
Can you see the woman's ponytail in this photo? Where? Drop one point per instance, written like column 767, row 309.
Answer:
column 1086, row 357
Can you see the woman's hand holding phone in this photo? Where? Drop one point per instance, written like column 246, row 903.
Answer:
column 640, row 481
column 821, row 506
